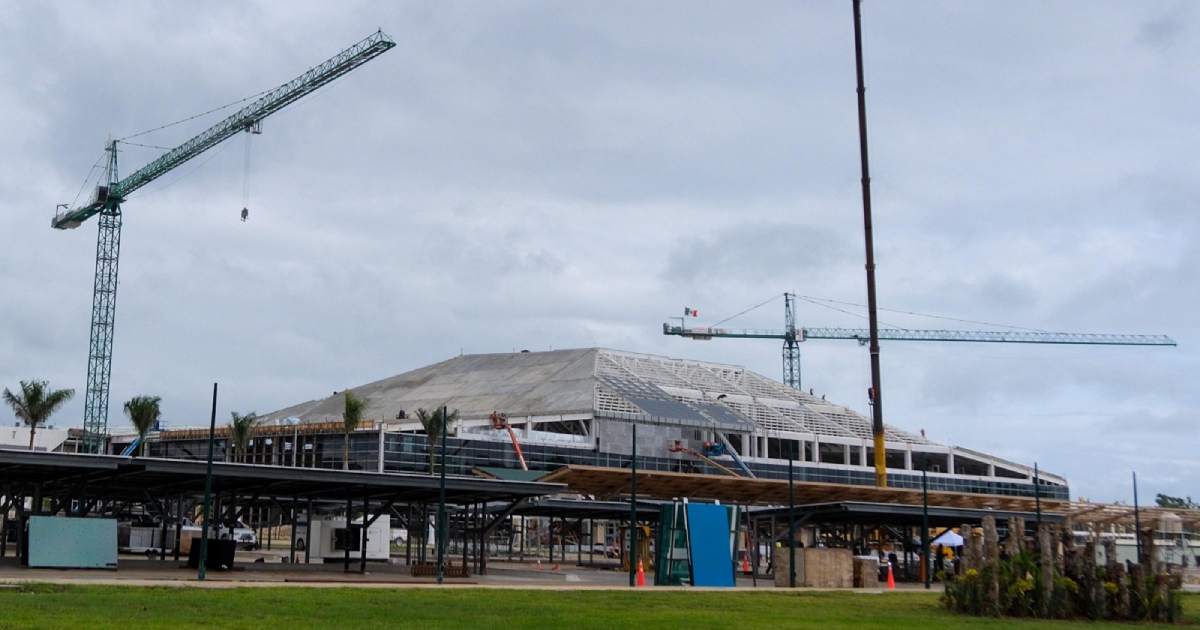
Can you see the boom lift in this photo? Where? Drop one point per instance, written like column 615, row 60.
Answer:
column 500, row 421
column 114, row 190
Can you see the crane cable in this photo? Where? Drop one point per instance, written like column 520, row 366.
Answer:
column 810, row 299
column 88, row 177
column 739, row 314
column 195, row 116
column 246, row 179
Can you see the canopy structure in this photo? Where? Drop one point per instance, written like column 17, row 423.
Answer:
column 1100, row 514
column 861, row 513
column 611, row 482
column 110, row 477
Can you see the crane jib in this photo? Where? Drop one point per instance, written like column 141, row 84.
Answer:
column 905, row 334
column 276, row 99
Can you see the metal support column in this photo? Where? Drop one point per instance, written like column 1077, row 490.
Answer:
column 346, row 540
column 308, row 519
column 362, row 559
column 178, row 526
column 292, row 541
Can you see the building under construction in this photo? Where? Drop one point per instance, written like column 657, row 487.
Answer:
column 578, row 407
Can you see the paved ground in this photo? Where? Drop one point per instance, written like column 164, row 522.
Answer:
column 501, row 574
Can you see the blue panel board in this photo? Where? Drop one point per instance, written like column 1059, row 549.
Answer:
column 72, row 543
column 708, row 532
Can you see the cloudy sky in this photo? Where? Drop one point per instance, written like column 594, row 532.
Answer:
column 548, row 175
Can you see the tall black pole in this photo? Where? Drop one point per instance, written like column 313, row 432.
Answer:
column 441, row 518
column 791, row 518
column 1037, row 494
column 876, row 390
column 1137, row 520
column 212, row 430
column 925, row 523
column 633, row 550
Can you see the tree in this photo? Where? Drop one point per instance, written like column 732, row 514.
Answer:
column 435, row 425
column 143, row 412
column 1168, row 501
column 351, row 417
column 36, row 403
column 241, row 429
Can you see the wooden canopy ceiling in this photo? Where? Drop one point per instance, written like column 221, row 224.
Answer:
column 1101, row 514
column 611, row 482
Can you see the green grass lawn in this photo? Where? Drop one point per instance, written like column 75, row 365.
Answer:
column 91, row 607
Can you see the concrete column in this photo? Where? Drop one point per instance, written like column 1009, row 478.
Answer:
column 380, row 447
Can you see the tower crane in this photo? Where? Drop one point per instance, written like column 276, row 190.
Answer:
column 108, row 197
column 792, row 335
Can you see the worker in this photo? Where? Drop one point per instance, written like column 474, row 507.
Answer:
column 245, row 214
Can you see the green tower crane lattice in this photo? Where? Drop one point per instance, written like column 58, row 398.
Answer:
column 792, row 335
column 114, row 191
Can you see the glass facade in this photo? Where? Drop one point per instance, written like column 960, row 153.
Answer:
column 408, row 452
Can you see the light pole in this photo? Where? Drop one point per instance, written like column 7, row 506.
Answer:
column 441, row 537
column 925, row 521
column 791, row 516
column 633, row 550
column 1137, row 520
column 212, row 428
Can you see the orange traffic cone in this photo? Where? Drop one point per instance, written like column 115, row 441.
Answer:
column 745, row 566
column 891, row 578
column 641, row 574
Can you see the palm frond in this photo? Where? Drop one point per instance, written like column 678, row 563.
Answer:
column 241, row 428
column 36, row 402
column 143, row 412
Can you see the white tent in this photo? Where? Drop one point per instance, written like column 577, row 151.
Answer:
column 948, row 539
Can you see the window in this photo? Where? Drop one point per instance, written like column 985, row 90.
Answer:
column 968, row 466
column 931, row 462
column 779, row 448
column 339, row 538
column 833, row 453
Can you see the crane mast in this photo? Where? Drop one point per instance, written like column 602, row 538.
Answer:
column 108, row 197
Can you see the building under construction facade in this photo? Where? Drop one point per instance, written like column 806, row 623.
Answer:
column 579, row 407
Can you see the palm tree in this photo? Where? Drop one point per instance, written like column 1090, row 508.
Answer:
column 351, row 417
column 241, row 429
column 36, row 403
column 435, row 425
column 144, row 413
